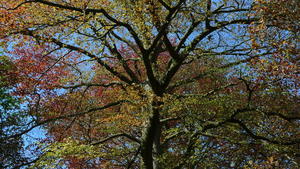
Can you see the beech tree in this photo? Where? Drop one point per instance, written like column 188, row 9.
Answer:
column 158, row 83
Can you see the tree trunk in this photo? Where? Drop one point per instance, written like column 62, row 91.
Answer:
column 151, row 139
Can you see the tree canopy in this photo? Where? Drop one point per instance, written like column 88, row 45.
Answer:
column 157, row 83
column 11, row 119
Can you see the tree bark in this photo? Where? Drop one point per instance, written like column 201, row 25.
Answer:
column 151, row 139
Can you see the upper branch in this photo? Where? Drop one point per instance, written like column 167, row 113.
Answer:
column 92, row 11
column 211, row 29
column 125, row 65
column 80, row 50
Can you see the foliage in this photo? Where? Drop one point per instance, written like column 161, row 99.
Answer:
column 157, row 83
column 10, row 120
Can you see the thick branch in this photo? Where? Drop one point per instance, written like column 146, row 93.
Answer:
column 164, row 4
column 91, row 85
column 117, row 135
column 155, row 84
